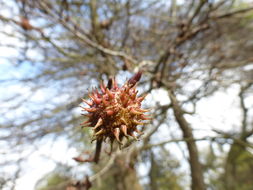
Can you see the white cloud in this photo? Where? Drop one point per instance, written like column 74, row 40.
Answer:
column 42, row 161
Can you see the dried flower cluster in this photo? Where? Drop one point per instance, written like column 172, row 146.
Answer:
column 115, row 112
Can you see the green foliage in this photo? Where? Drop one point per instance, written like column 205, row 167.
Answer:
column 164, row 171
column 52, row 181
column 229, row 171
column 238, row 169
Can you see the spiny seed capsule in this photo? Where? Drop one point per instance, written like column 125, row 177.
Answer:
column 115, row 112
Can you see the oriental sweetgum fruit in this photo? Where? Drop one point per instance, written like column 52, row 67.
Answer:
column 115, row 112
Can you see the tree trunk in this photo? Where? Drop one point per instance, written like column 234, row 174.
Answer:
column 125, row 175
column 153, row 172
column 195, row 165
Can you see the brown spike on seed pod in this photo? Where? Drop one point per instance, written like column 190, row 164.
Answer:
column 97, row 93
column 90, row 109
column 99, row 123
column 102, row 131
column 115, row 85
column 85, row 126
column 105, row 102
column 124, row 129
column 91, row 96
column 140, row 99
column 145, row 117
column 132, row 81
column 136, row 112
column 111, row 96
column 97, row 100
column 87, row 102
column 116, row 133
column 123, row 121
column 143, row 110
column 85, row 123
column 102, row 87
column 82, row 107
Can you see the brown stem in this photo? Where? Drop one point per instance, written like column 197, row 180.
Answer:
column 98, row 150
column 100, row 141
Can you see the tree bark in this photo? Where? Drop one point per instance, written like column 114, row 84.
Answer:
column 153, row 172
column 197, row 178
column 125, row 175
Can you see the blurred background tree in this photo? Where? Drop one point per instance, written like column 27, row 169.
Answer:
column 54, row 52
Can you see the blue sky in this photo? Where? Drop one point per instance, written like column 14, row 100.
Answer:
column 226, row 117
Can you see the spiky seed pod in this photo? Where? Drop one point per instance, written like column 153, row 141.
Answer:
column 115, row 112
